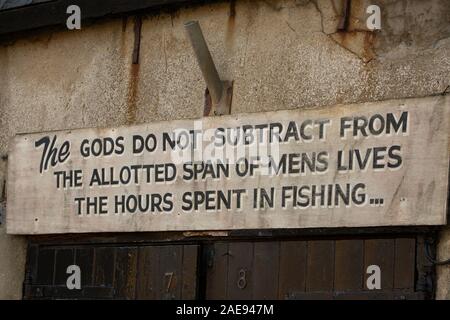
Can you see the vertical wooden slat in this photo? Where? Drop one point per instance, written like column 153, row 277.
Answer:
column 349, row 264
column 125, row 273
column 287, row 269
column 84, row 258
column 240, row 265
column 265, row 270
column 217, row 271
column 64, row 258
column 148, row 267
column 405, row 261
column 31, row 270
column 292, row 275
column 46, row 264
column 32, row 263
column 320, row 266
column 104, row 266
column 189, row 270
column 170, row 264
column 380, row 252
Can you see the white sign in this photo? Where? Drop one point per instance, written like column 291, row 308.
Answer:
column 373, row 164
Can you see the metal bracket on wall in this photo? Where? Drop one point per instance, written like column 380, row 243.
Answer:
column 219, row 93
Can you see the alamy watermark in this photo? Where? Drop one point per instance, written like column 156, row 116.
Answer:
column 73, row 22
column 74, row 280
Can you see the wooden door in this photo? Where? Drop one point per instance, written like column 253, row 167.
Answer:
column 167, row 272
column 113, row 272
column 275, row 269
column 312, row 269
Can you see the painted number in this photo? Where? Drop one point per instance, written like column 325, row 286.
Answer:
column 242, row 279
column 169, row 277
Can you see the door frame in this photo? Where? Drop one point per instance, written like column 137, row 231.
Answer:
column 425, row 246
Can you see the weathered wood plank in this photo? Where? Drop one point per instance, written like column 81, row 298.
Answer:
column 398, row 174
column 148, row 268
column 217, row 271
column 46, row 267
column 189, row 272
column 381, row 253
column 104, row 264
column 170, row 272
column 349, row 264
column 240, row 270
column 125, row 273
column 266, row 270
column 405, row 266
column 84, row 258
column 292, row 276
column 64, row 258
column 320, row 266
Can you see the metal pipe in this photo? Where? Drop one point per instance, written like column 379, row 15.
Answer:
column 205, row 60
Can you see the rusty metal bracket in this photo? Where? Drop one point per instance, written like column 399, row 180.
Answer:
column 224, row 105
column 219, row 93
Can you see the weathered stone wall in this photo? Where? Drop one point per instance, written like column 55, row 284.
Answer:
column 280, row 54
column 12, row 250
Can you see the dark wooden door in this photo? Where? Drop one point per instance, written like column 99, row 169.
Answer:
column 167, row 272
column 276, row 269
column 113, row 272
column 313, row 269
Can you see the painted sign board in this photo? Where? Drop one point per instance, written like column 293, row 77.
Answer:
column 373, row 164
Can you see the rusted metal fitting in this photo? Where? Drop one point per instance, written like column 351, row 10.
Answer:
column 220, row 91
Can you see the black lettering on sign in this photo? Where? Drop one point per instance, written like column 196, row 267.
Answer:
column 92, row 205
column 143, row 203
column 323, row 196
column 375, row 125
column 69, row 179
column 213, row 200
column 377, row 158
column 51, row 154
column 140, row 143
column 102, row 147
